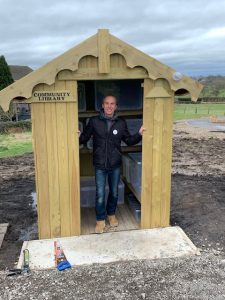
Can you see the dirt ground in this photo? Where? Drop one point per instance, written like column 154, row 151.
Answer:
column 197, row 206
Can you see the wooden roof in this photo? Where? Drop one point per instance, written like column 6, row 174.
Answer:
column 100, row 45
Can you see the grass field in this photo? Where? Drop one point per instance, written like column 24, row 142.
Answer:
column 195, row 111
column 15, row 144
column 20, row 143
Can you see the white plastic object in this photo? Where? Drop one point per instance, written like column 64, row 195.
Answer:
column 177, row 76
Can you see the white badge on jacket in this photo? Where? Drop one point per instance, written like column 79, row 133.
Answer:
column 115, row 131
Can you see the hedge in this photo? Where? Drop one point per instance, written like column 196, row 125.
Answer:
column 6, row 126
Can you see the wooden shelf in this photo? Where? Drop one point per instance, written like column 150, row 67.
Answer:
column 88, row 114
column 125, row 149
column 85, row 150
column 132, row 189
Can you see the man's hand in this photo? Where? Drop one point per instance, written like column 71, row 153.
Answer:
column 141, row 130
column 79, row 133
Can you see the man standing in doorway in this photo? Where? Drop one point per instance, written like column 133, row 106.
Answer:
column 108, row 130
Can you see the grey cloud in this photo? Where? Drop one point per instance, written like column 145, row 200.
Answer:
column 174, row 32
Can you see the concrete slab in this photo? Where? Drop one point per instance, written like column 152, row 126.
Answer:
column 111, row 247
column 3, row 229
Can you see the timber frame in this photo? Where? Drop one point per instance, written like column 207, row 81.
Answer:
column 55, row 126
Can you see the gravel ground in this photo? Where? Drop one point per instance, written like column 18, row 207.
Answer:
column 197, row 205
column 201, row 277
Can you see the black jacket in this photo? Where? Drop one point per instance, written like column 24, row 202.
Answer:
column 106, row 144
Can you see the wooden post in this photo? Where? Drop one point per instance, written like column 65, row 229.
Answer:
column 147, row 145
column 156, row 154
column 41, row 167
column 56, row 151
column 74, row 166
column 103, row 51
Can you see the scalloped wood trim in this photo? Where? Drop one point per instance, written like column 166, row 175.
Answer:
column 156, row 69
column 109, row 44
column 47, row 73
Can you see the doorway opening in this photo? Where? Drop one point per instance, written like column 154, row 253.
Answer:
column 130, row 107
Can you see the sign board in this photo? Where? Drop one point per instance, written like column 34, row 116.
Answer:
column 52, row 96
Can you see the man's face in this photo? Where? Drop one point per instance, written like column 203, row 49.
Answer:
column 109, row 106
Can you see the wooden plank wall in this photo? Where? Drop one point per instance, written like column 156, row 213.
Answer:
column 56, row 150
column 156, row 154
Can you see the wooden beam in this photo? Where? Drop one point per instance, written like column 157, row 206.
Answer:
column 147, row 152
column 93, row 74
column 41, row 169
column 166, row 157
column 63, row 163
column 73, row 159
column 156, row 162
column 156, row 154
column 53, row 168
column 103, row 51
column 128, row 113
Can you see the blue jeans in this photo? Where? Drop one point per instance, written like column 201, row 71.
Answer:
column 113, row 181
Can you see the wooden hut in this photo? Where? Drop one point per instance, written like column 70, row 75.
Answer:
column 53, row 94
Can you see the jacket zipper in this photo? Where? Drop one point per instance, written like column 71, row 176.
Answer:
column 106, row 147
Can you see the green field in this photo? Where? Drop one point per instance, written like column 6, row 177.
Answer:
column 195, row 111
column 15, row 144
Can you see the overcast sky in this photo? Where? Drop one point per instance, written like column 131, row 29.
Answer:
column 188, row 35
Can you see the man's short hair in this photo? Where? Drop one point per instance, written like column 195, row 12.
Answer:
column 110, row 95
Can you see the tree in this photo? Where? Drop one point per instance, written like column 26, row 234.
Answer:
column 5, row 80
column 5, row 74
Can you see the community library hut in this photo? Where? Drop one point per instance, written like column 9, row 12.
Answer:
column 64, row 94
